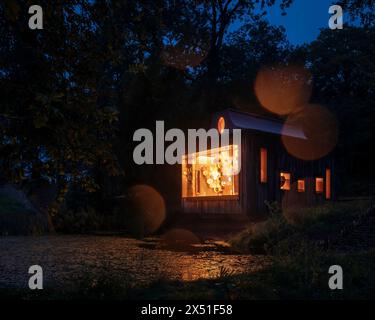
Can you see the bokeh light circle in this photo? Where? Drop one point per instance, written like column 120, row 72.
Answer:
column 147, row 209
column 320, row 128
column 180, row 240
column 283, row 89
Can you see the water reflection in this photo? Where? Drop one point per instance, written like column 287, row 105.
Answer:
column 66, row 258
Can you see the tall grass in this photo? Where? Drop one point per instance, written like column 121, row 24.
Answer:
column 282, row 231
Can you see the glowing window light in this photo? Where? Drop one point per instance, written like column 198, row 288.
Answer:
column 263, row 165
column 284, row 181
column 319, row 185
column 301, row 185
column 213, row 173
column 328, row 183
column 221, row 125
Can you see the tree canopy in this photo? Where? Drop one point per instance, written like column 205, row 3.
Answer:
column 73, row 93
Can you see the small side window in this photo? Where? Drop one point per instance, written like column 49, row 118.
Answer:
column 319, row 185
column 263, row 165
column 328, row 183
column 301, row 185
column 284, row 180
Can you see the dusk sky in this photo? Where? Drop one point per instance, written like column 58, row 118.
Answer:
column 303, row 20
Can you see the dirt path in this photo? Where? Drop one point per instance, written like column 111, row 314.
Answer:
column 66, row 258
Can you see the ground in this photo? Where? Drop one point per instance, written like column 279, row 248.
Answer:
column 65, row 259
column 288, row 256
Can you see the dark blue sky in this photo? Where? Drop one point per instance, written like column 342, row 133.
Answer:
column 303, row 20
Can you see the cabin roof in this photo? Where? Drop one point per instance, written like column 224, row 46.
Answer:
column 241, row 120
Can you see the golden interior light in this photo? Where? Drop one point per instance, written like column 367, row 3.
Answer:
column 328, row 183
column 212, row 173
column 284, row 181
column 263, row 165
column 319, row 185
column 221, row 125
column 301, row 185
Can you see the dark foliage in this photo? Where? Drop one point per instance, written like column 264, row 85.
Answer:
column 73, row 94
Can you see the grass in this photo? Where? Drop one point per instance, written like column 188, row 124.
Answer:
column 301, row 247
column 322, row 225
column 303, row 276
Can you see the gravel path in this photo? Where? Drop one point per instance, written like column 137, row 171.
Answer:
column 66, row 258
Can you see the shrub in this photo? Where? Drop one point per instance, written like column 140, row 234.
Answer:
column 77, row 221
column 318, row 225
column 15, row 219
column 261, row 237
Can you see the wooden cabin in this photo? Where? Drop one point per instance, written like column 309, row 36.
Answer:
column 268, row 172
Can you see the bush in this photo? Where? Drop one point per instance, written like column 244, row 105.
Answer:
column 261, row 237
column 304, row 275
column 15, row 219
column 77, row 221
column 318, row 225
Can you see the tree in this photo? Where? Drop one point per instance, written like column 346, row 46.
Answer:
column 362, row 11
column 344, row 79
column 57, row 125
column 63, row 88
column 220, row 15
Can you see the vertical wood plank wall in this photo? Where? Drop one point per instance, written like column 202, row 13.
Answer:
column 252, row 193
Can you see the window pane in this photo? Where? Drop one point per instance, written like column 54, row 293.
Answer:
column 319, row 185
column 263, row 165
column 328, row 183
column 301, row 185
column 284, row 181
column 211, row 173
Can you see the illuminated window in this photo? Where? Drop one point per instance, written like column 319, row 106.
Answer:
column 263, row 165
column 198, row 182
column 211, row 173
column 301, row 185
column 328, row 183
column 319, row 185
column 221, row 125
column 284, row 181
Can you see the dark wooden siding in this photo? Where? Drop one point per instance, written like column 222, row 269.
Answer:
column 279, row 160
column 252, row 193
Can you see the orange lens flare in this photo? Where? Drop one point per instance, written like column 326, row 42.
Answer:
column 180, row 240
column 320, row 128
column 147, row 208
column 221, row 125
column 283, row 89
